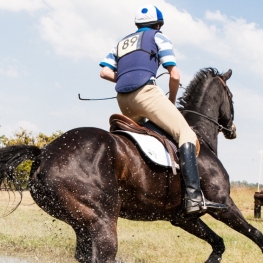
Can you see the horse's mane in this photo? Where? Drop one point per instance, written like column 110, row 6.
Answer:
column 193, row 89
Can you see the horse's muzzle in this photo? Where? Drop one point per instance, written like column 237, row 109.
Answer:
column 232, row 134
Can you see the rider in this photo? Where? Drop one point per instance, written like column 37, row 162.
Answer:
column 133, row 65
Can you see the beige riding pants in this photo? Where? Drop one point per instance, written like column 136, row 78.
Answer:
column 150, row 102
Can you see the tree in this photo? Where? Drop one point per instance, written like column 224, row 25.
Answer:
column 23, row 137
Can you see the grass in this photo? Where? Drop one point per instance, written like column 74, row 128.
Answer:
column 29, row 233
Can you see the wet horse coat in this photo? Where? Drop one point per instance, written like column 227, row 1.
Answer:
column 89, row 177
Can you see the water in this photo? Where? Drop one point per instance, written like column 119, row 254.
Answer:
column 12, row 260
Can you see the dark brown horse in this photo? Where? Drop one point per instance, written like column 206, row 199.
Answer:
column 89, row 177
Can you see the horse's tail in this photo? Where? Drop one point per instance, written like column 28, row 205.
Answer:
column 12, row 156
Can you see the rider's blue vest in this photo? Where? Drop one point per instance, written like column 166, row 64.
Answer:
column 137, row 60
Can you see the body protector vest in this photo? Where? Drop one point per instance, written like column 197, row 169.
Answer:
column 137, row 60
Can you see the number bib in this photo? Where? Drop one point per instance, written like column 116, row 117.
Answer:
column 129, row 44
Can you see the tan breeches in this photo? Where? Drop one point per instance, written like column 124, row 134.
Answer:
column 150, row 102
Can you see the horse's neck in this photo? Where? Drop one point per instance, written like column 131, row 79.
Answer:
column 208, row 105
column 207, row 132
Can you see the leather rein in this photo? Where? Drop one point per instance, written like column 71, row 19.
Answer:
column 220, row 127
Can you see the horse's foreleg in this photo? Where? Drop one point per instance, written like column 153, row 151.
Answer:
column 198, row 228
column 234, row 219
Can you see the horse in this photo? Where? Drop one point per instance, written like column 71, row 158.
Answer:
column 88, row 177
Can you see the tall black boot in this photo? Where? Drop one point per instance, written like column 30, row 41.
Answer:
column 194, row 199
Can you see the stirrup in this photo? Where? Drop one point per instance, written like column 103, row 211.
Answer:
column 204, row 207
column 193, row 207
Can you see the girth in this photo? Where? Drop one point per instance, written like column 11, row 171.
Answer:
column 121, row 122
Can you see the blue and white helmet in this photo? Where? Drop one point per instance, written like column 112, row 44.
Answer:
column 148, row 15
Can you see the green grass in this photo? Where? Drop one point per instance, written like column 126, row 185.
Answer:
column 29, row 233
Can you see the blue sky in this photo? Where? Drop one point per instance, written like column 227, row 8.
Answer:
column 50, row 51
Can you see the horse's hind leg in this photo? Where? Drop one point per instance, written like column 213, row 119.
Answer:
column 83, row 251
column 96, row 242
column 233, row 218
column 104, row 241
column 198, row 228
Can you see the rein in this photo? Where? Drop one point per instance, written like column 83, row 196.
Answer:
column 221, row 127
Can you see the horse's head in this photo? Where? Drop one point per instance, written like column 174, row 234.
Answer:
column 207, row 102
column 226, row 110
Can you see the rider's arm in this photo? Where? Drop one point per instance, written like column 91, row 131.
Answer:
column 108, row 74
column 109, row 66
column 167, row 59
column 173, row 82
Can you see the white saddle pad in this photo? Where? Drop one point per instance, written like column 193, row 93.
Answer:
column 153, row 149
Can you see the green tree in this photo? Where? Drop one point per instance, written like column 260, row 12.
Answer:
column 23, row 137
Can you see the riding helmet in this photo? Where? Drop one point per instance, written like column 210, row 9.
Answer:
column 148, row 15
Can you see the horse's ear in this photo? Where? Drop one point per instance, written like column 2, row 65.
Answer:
column 227, row 75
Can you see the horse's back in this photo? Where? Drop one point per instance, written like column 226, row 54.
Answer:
column 75, row 148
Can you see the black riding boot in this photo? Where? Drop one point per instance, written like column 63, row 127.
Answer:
column 194, row 199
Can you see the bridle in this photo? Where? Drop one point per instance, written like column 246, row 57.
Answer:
column 220, row 127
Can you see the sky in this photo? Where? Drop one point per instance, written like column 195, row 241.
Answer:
column 50, row 52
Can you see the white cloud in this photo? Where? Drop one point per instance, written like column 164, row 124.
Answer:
column 10, row 72
column 243, row 41
column 85, row 29
column 246, row 43
column 82, row 29
column 21, row 5
column 88, row 29
column 215, row 16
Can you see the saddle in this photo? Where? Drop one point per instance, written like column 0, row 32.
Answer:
column 119, row 122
